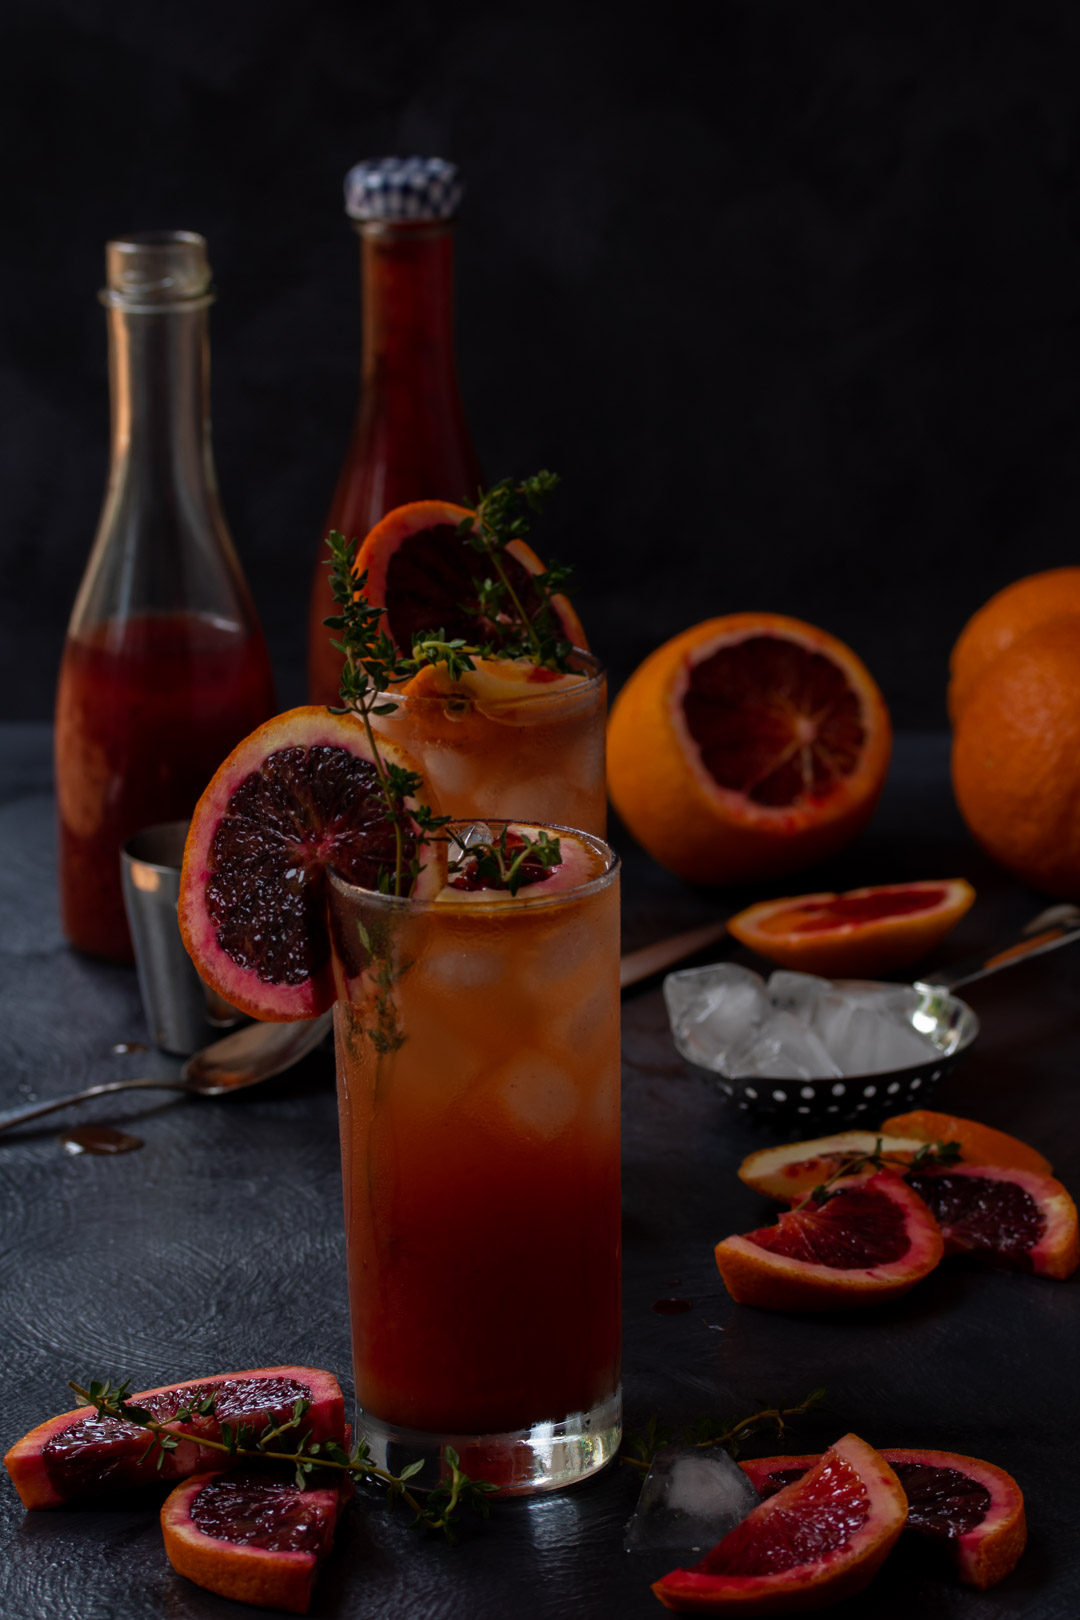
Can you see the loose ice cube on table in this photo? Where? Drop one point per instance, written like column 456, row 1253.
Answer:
column 714, row 1010
column 689, row 1500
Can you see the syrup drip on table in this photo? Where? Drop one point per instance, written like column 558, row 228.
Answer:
column 99, row 1139
column 123, row 1047
column 672, row 1307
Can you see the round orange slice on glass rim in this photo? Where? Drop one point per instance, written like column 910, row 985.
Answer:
column 747, row 747
column 861, row 934
column 425, row 576
column 297, row 797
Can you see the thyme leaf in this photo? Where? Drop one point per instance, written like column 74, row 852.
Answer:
column 440, row 1511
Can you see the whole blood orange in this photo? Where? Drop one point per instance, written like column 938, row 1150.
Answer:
column 1020, row 607
column 426, row 576
column 861, row 934
column 974, row 1507
column 747, row 747
column 871, row 1239
column 300, row 795
column 821, row 1538
column 1016, row 758
column 251, row 1536
column 979, row 1144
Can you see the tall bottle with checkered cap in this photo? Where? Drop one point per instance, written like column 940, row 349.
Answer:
column 410, row 440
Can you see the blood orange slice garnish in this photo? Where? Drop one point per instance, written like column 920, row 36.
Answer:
column 747, row 747
column 427, row 577
column 1011, row 1217
column 251, row 1536
column 973, row 1506
column 861, row 934
column 821, row 1538
column 792, row 1169
column 298, row 796
column 870, row 1240
column 80, row 1456
column 979, row 1144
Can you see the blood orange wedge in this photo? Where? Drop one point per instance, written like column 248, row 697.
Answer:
column 80, row 1456
column 251, row 1536
column 872, row 1238
column 747, row 747
column 427, row 576
column 1011, row 1217
column 973, row 1506
column 299, row 795
column 792, row 1169
column 861, row 934
column 820, row 1539
column 979, row 1144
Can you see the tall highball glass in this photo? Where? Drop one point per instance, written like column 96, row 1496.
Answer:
column 477, row 1040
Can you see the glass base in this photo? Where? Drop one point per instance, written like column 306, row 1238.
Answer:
column 545, row 1457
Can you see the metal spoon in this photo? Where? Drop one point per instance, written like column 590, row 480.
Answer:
column 241, row 1059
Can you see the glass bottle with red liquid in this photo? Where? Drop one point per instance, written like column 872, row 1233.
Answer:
column 165, row 668
column 410, row 440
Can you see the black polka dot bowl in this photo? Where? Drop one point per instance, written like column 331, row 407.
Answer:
column 802, row 1108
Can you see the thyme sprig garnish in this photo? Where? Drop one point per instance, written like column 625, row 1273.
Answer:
column 502, row 862
column 640, row 1449
column 306, row 1457
column 932, row 1155
column 373, row 665
column 515, row 631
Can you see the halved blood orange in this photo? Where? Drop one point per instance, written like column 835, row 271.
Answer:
column 980, row 1144
column 251, row 1536
column 425, row 575
column 973, row 1506
column 872, row 1238
column 747, row 747
column 1011, row 1217
column 792, row 1169
column 297, row 796
column 861, row 934
column 820, row 1539
column 81, row 1457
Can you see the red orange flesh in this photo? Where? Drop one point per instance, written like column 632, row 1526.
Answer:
column 974, row 1507
column 747, row 747
column 820, row 1539
column 873, row 1239
column 861, row 934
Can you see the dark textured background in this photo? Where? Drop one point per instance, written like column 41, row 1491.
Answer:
column 789, row 293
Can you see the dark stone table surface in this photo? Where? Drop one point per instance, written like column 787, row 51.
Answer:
column 219, row 1246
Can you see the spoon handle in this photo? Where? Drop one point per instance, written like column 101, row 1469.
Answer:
column 22, row 1115
column 1060, row 925
column 664, row 953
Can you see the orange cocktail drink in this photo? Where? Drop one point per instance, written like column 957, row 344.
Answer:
column 509, row 739
column 478, row 1073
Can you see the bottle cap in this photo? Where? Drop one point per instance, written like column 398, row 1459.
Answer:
column 156, row 268
column 395, row 188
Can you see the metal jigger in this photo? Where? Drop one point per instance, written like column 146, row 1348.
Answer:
column 182, row 1012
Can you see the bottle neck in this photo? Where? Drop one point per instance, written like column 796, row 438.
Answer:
column 407, row 284
column 159, row 374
